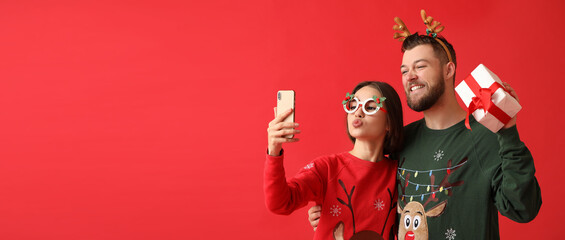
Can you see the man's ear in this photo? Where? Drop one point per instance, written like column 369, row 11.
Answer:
column 449, row 70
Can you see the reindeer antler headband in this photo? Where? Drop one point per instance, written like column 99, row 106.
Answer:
column 433, row 28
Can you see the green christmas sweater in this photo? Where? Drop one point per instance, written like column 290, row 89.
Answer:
column 453, row 182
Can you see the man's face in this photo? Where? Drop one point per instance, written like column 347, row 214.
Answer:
column 422, row 77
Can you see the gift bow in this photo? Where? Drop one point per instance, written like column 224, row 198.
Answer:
column 482, row 100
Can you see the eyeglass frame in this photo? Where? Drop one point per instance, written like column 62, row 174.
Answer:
column 362, row 104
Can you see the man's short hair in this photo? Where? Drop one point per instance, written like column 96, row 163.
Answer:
column 415, row 40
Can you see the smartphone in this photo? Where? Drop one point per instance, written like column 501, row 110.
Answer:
column 285, row 101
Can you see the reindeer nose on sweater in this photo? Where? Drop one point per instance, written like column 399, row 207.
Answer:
column 409, row 236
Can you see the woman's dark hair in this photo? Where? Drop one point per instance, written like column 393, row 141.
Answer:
column 394, row 138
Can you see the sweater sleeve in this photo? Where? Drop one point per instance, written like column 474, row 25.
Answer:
column 517, row 194
column 284, row 197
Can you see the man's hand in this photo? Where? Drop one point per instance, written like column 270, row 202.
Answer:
column 510, row 90
column 314, row 214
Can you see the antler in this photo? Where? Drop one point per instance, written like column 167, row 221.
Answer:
column 433, row 26
column 445, row 184
column 400, row 27
column 433, row 197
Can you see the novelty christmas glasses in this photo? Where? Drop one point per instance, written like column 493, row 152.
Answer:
column 370, row 106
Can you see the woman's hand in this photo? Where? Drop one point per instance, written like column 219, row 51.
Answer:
column 278, row 130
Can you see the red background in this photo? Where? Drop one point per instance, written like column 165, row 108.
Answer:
column 147, row 119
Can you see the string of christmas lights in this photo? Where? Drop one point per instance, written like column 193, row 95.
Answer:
column 417, row 184
column 434, row 170
column 446, row 191
column 411, row 196
column 402, row 171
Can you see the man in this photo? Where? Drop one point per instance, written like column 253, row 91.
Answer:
column 452, row 181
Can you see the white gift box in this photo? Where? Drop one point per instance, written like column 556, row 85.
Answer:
column 503, row 105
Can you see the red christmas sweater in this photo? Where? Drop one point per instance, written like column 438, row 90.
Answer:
column 358, row 197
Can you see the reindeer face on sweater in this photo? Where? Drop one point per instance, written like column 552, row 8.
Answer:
column 413, row 220
column 414, row 217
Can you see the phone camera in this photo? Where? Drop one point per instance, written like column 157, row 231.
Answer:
column 279, row 95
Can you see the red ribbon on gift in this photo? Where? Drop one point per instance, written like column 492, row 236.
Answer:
column 482, row 100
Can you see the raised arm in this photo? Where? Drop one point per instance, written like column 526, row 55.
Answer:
column 517, row 192
column 284, row 196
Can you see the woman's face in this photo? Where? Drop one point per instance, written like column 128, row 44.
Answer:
column 366, row 127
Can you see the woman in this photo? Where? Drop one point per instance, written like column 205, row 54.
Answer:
column 355, row 188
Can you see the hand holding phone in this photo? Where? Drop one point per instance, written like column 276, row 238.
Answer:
column 282, row 128
column 285, row 102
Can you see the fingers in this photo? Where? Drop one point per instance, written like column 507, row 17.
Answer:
column 313, row 218
column 315, row 209
column 278, row 130
column 277, row 136
column 282, row 116
column 288, row 140
column 511, row 91
column 314, row 214
column 273, row 125
column 283, row 132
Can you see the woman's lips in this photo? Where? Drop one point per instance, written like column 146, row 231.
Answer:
column 357, row 123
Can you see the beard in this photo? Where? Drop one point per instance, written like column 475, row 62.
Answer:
column 429, row 99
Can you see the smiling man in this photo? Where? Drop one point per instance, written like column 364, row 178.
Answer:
column 460, row 178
